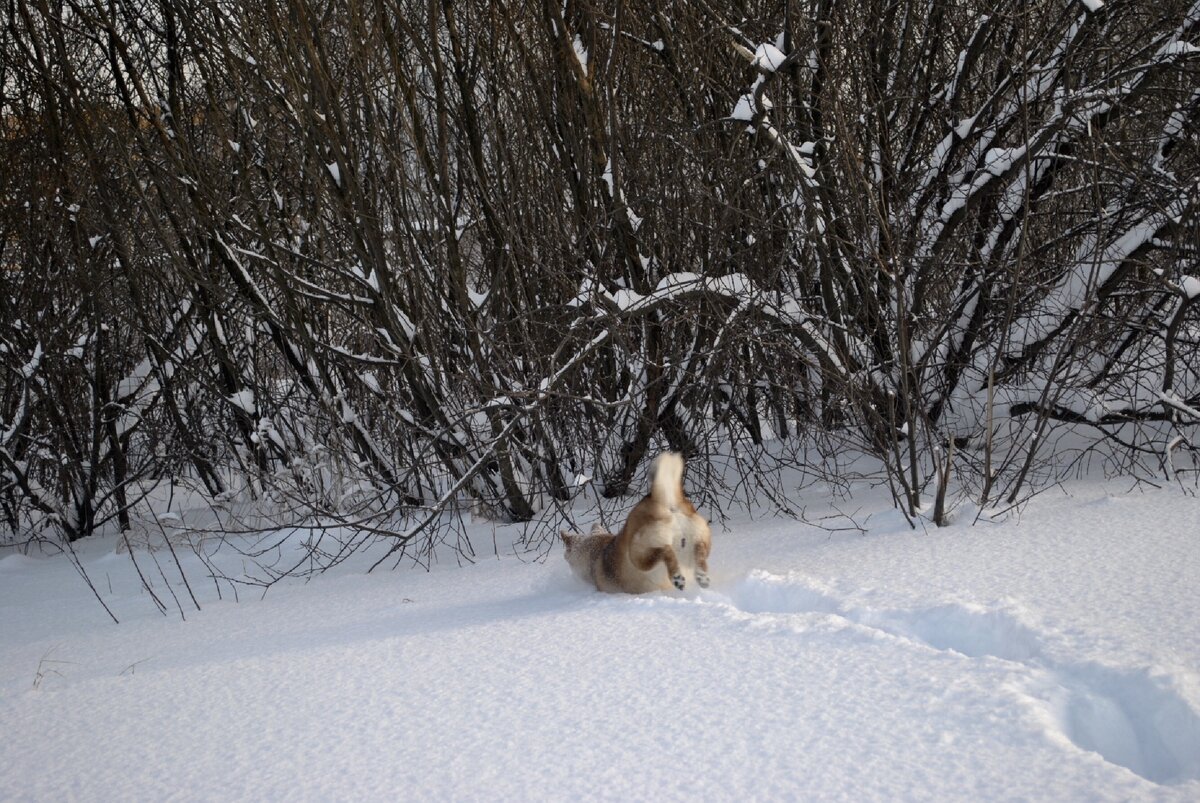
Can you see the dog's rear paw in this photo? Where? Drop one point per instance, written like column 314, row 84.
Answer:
column 702, row 579
column 678, row 580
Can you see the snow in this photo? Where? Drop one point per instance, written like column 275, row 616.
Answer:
column 635, row 222
column 30, row 368
column 406, row 324
column 581, row 53
column 768, row 58
column 998, row 161
column 626, row 299
column 736, row 286
column 1093, row 267
column 1190, row 286
column 369, row 379
column 748, row 106
column 965, row 126
column 1093, row 5
column 1048, row 655
column 243, row 399
column 1174, row 402
column 1180, row 48
column 135, row 380
column 477, row 299
column 744, row 109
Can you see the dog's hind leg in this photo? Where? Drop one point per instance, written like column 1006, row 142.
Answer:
column 650, row 558
column 701, row 553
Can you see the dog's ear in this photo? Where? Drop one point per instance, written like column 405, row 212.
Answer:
column 598, row 529
column 566, row 537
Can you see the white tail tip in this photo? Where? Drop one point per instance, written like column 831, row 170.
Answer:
column 666, row 485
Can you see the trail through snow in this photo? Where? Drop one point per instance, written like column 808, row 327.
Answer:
column 1133, row 719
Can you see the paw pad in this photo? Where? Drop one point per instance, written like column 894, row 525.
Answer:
column 702, row 579
column 678, row 580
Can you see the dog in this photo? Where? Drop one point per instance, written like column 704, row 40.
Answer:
column 661, row 536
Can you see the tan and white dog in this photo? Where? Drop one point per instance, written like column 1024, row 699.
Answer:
column 663, row 535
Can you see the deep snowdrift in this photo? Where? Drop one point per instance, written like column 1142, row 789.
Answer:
column 1050, row 656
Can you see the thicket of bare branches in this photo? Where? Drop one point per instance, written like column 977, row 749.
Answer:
column 379, row 259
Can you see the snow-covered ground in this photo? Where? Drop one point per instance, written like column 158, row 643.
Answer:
column 1054, row 655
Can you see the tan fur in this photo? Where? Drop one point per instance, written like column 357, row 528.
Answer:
column 662, row 537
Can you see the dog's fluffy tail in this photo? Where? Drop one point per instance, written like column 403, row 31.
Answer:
column 667, row 486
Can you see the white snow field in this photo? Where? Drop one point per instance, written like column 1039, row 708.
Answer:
column 1050, row 656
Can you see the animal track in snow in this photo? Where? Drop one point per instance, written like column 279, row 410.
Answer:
column 762, row 592
column 1134, row 718
column 971, row 630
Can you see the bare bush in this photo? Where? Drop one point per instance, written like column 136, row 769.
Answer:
column 377, row 262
